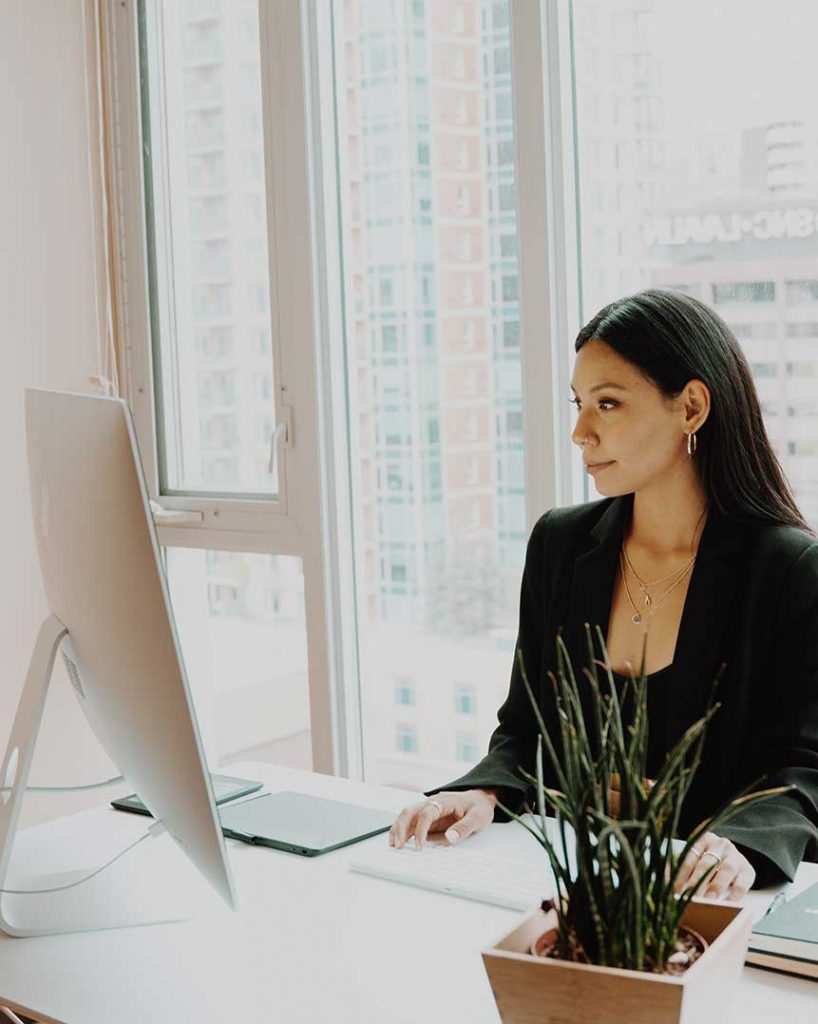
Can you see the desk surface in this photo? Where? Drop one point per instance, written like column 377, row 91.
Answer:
column 311, row 941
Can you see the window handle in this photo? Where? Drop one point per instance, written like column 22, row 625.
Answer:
column 283, row 431
column 175, row 517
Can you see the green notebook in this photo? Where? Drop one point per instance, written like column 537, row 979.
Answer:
column 787, row 937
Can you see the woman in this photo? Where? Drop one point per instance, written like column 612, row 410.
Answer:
column 698, row 543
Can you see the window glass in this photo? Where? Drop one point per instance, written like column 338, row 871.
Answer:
column 206, row 194
column 242, row 628
column 431, row 242
column 689, row 185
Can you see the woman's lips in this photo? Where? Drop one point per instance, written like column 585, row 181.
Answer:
column 594, row 467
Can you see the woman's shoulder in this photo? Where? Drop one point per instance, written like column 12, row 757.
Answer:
column 786, row 546
column 789, row 542
column 565, row 522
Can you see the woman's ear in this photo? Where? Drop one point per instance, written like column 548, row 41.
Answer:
column 696, row 404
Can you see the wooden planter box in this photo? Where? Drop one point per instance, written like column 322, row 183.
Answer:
column 537, row 990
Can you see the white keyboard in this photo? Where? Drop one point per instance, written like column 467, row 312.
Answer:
column 458, row 871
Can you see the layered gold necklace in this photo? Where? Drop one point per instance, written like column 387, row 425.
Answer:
column 676, row 576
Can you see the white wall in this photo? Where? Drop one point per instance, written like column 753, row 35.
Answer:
column 48, row 337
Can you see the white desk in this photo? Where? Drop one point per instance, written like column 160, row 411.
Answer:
column 311, row 941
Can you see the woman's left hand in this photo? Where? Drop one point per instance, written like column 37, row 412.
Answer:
column 733, row 875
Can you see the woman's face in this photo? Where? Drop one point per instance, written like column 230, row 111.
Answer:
column 630, row 434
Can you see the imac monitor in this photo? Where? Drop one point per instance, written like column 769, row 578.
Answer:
column 105, row 584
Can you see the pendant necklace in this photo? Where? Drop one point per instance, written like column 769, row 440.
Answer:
column 638, row 616
column 677, row 574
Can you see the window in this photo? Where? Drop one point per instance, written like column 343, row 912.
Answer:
column 744, row 291
column 511, row 333
column 404, row 693
column 514, row 423
column 427, row 603
column 465, row 700
column 508, row 246
column 241, row 622
column 389, row 338
column 502, row 60
column 509, row 288
column 803, row 369
column 801, row 292
column 206, row 375
column 406, row 739
column 212, row 279
column 466, row 748
column 507, row 197
column 463, row 199
column 803, row 448
column 802, row 330
column 755, row 331
column 724, row 212
column 387, row 292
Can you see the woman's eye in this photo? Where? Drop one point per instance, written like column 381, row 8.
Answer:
column 605, row 404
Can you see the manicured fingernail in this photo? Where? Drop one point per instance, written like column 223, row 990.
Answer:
column 452, row 835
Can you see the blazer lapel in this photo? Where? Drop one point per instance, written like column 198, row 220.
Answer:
column 711, row 596
column 592, row 580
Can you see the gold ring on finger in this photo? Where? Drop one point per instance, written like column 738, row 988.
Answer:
column 434, row 803
column 694, row 850
column 715, row 856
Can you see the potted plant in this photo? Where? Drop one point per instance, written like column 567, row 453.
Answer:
column 617, row 943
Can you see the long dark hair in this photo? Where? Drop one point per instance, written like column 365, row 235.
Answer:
column 674, row 338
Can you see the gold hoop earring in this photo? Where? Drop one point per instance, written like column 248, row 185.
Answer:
column 692, row 444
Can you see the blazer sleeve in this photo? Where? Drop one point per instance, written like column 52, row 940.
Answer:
column 513, row 742
column 776, row 834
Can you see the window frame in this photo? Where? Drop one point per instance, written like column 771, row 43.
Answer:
column 314, row 518
column 292, row 525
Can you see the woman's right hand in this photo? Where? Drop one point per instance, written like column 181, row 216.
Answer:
column 458, row 815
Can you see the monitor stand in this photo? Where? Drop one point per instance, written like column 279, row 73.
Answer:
column 151, row 884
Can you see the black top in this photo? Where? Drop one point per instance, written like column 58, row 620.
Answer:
column 658, row 685
column 752, row 604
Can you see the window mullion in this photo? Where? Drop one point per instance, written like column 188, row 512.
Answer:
column 285, row 104
column 547, row 244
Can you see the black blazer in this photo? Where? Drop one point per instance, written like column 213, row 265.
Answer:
column 752, row 603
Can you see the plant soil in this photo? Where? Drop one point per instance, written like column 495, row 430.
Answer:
column 687, row 950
